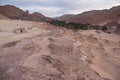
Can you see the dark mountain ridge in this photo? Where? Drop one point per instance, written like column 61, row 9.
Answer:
column 13, row 12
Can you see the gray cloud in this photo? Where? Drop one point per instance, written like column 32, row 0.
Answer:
column 59, row 7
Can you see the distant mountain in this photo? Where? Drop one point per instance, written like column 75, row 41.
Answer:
column 39, row 17
column 65, row 17
column 13, row 12
column 97, row 17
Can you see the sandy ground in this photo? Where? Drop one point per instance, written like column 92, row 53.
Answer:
column 46, row 52
column 8, row 27
column 101, row 35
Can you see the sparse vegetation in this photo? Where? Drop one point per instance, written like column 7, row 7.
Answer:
column 74, row 26
column 104, row 28
column 70, row 25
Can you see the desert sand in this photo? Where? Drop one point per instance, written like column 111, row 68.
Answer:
column 40, row 51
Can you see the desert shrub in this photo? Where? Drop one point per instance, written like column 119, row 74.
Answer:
column 96, row 27
column 104, row 28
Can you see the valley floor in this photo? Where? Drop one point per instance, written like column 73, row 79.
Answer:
column 40, row 51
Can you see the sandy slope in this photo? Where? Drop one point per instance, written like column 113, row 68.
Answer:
column 3, row 17
column 44, row 52
column 8, row 27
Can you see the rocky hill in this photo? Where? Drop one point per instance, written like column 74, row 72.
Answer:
column 13, row 12
column 96, row 17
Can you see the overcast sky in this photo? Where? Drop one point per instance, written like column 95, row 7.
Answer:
column 54, row 8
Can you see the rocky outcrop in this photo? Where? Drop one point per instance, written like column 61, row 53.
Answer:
column 20, row 31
